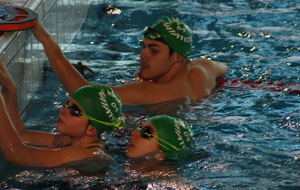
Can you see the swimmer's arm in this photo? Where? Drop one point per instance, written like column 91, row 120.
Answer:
column 14, row 151
column 44, row 139
column 145, row 92
column 67, row 74
column 9, row 93
column 36, row 157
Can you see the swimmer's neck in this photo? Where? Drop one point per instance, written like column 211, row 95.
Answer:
column 176, row 71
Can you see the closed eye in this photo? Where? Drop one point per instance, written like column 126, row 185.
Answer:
column 142, row 44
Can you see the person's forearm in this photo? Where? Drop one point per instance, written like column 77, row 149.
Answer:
column 9, row 94
column 45, row 139
column 67, row 74
column 11, row 103
column 10, row 142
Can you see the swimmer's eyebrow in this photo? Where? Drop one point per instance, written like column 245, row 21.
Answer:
column 150, row 45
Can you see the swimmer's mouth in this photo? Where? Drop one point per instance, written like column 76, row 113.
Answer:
column 144, row 66
column 59, row 120
column 130, row 144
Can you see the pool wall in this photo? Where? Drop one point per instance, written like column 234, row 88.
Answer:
column 24, row 55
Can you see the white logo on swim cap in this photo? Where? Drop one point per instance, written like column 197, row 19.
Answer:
column 172, row 32
column 178, row 125
column 105, row 105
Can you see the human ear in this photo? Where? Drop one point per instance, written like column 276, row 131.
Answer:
column 179, row 57
column 91, row 130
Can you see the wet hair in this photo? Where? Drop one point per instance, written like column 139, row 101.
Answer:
column 171, row 51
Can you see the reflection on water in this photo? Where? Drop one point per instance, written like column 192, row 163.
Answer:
column 244, row 138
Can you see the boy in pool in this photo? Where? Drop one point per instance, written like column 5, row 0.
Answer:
column 166, row 47
column 90, row 111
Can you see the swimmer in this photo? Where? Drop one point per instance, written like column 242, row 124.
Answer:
column 79, row 66
column 82, row 68
column 165, row 58
column 90, row 111
column 161, row 133
column 161, row 138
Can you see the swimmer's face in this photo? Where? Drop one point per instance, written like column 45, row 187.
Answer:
column 155, row 59
column 140, row 144
column 68, row 123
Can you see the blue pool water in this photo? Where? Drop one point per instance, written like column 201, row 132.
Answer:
column 246, row 139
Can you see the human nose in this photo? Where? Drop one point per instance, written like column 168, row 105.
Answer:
column 143, row 55
column 135, row 133
column 63, row 111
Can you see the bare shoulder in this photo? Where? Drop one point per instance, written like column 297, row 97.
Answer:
column 69, row 154
column 210, row 67
column 203, row 75
column 201, row 61
column 204, row 63
column 77, row 151
column 201, row 67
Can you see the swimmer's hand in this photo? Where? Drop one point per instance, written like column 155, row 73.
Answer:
column 40, row 33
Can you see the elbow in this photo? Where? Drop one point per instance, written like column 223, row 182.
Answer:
column 11, row 153
column 220, row 69
column 9, row 156
column 226, row 68
column 223, row 70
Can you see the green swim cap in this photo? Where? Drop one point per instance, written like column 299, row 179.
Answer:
column 173, row 131
column 175, row 33
column 100, row 102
